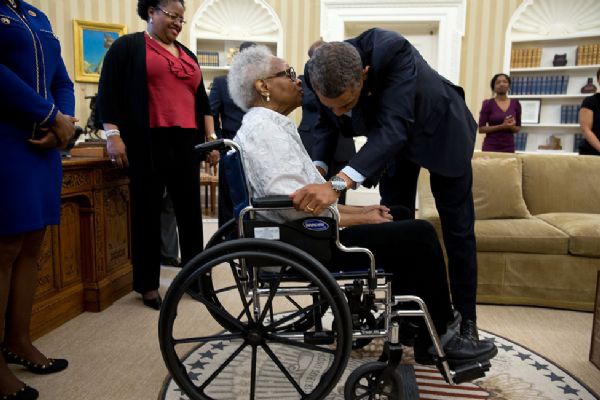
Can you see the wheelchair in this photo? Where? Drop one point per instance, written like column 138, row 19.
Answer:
column 267, row 291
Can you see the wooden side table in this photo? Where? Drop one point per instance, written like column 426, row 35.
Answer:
column 595, row 347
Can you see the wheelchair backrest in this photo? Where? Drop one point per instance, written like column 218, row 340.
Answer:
column 236, row 179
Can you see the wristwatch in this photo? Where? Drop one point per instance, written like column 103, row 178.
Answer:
column 338, row 184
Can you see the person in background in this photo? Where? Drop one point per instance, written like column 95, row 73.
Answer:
column 345, row 148
column 276, row 163
column 154, row 109
column 228, row 118
column 589, row 121
column 377, row 85
column 500, row 117
column 36, row 108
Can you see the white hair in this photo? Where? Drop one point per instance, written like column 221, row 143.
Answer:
column 248, row 66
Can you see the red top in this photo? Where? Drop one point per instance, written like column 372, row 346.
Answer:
column 172, row 86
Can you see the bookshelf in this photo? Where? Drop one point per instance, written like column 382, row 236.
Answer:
column 218, row 28
column 537, row 31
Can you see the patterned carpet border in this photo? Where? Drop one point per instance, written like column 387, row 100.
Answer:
column 517, row 373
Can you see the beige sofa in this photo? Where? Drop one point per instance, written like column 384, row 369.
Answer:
column 537, row 228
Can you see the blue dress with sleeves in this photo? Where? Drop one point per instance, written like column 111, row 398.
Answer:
column 34, row 86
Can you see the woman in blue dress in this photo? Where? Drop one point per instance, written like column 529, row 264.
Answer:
column 36, row 107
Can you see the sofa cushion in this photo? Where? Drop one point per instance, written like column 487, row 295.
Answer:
column 497, row 188
column 526, row 235
column 583, row 229
column 561, row 183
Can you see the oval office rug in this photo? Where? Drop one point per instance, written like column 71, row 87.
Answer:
column 516, row 374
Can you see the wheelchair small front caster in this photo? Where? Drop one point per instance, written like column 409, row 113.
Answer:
column 373, row 381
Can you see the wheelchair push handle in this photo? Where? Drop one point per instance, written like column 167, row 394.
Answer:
column 272, row 202
column 203, row 149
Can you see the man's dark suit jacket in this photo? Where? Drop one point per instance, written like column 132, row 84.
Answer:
column 406, row 108
column 227, row 116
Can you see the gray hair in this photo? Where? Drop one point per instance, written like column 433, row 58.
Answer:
column 334, row 68
column 248, row 66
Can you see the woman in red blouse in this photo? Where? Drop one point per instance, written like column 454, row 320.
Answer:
column 154, row 109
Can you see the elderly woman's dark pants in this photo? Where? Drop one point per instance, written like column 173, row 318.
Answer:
column 174, row 166
column 410, row 250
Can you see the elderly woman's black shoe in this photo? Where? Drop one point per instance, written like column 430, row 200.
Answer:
column 25, row 393
column 53, row 365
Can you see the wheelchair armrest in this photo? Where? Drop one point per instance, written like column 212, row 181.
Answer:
column 272, row 202
column 204, row 148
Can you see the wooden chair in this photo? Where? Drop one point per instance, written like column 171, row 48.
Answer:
column 209, row 179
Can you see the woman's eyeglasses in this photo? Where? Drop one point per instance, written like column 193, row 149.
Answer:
column 173, row 17
column 290, row 73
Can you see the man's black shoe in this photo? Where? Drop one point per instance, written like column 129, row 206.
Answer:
column 459, row 350
column 468, row 329
column 168, row 261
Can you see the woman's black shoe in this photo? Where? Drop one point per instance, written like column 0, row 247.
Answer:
column 154, row 303
column 53, row 365
column 25, row 393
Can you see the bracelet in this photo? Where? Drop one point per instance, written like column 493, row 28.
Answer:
column 211, row 136
column 112, row 132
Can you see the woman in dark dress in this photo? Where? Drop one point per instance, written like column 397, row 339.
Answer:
column 500, row 117
column 153, row 106
column 34, row 103
column 589, row 121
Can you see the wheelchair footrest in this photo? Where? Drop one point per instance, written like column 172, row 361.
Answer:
column 319, row 337
column 469, row 372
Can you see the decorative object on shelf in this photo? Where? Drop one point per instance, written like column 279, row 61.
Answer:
column 553, row 144
column 560, row 60
column 589, row 87
column 92, row 40
column 231, row 53
column 530, row 111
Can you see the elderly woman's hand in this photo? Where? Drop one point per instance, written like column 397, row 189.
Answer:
column 213, row 157
column 63, row 128
column 314, row 198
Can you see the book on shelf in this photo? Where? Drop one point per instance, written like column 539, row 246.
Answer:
column 578, row 139
column 520, row 141
column 208, row 58
column 588, row 54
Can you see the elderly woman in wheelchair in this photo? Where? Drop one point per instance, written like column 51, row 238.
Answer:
column 292, row 294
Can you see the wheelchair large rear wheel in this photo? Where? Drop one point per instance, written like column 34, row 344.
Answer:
column 248, row 320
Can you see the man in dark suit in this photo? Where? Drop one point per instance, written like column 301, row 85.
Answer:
column 228, row 118
column 377, row 85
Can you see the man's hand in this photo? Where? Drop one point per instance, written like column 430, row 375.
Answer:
column 64, row 128
column 49, row 141
column 314, row 198
column 117, row 151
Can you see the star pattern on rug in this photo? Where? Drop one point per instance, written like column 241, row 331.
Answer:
column 540, row 366
column 553, row 377
column 569, row 390
column 198, row 365
column 524, row 356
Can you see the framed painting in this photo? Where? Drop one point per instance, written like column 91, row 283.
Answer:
column 92, row 40
column 530, row 111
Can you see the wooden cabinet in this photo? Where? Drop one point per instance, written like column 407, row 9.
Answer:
column 85, row 262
